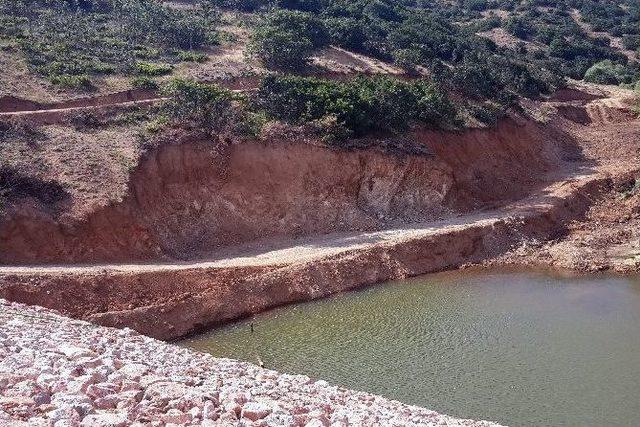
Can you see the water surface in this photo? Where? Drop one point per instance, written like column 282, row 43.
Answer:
column 522, row 349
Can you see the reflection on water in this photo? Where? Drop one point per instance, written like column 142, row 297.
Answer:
column 517, row 348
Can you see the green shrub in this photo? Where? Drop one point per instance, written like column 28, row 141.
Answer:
column 208, row 106
column 191, row 56
column 144, row 82
column 286, row 39
column 605, row 72
column 185, row 32
column 520, row 27
column 243, row 5
column 362, row 105
column 631, row 42
column 82, row 82
column 153, row 70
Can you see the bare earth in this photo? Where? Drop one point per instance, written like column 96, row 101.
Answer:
column 607, row 238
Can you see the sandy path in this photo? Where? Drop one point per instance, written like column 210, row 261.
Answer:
column 36, row 113
column 303, row 250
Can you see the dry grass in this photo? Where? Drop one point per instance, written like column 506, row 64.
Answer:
column 93, row 166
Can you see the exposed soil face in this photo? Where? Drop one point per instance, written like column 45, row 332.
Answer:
column 185, row 200
column 169, row 300
column 607, row 238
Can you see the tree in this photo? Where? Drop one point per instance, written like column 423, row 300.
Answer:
column 208, row 106
column 286, row 39
column 605, row 72
column 519, row 27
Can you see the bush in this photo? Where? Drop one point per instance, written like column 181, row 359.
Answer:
column 345, row 32
column 242, row 5
column 185, row 32
column 519, row 27
column 15, row 185
column 605, row 72
column 191, row 56
column 208, row 106
column 631, row 42
column 303, row 5
column 144, row 82
column 18, row 130
column 152, row 70
column 362, row 105
column 82, row 82
column 286, row 39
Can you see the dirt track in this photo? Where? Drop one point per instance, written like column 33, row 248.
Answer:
column 311, row 249
column 12, row 108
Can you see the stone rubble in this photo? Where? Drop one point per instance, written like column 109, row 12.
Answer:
column 60, row 372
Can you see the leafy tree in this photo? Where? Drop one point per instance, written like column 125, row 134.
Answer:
column 519, row 27
column 286, row 39
column 206, row 106
column 605, row 72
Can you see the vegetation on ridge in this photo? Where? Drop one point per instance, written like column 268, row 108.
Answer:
column 70, row 41
column 337, row 109
column 442, row 36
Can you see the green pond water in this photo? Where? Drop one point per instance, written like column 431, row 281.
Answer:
column 522, row 349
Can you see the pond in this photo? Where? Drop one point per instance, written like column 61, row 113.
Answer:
column 519, row 348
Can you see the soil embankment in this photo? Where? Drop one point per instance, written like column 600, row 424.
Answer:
column 187, row 200
column 222, row 232
column 171, row 300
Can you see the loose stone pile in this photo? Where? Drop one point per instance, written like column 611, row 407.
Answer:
column 55, row 371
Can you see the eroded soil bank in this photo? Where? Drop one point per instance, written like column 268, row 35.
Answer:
column 223, row 231
column 186, row 200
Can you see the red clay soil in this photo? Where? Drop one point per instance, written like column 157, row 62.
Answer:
column 608, row 238
column 168, row 301
column 481, row 194
column 186, row 200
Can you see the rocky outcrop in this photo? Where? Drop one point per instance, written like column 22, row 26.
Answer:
column 55, row 371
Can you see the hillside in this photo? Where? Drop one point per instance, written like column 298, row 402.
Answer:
column 172, row 166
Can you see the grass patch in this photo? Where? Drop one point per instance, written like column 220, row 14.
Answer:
column 190, row 56
column 153, row 70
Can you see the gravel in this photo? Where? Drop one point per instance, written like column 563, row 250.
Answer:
column 56, row 371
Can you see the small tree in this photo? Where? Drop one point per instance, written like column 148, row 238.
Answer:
column 519, row 27
column 205, row 105
column 605, row 72
column 286, row 39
